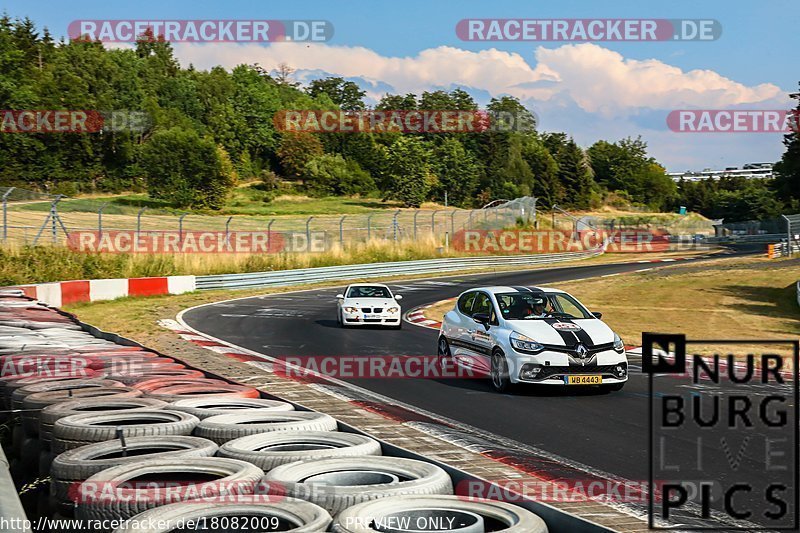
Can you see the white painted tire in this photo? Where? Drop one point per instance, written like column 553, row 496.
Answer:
column 305, row 516
column 268, row 450
column 337, row 484
column 505, row 517
column 77, row 430
column 81, row 463
column 203, row 408
column 222, row 428
column 117, row 501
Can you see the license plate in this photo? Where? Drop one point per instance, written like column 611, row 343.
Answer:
column 367, row 317
column 584, row 380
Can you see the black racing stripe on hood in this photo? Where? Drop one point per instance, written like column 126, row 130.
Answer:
column 569, row 337
column 584, row 337
column 566, row 336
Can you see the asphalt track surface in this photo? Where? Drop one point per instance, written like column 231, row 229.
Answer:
column 601, row 433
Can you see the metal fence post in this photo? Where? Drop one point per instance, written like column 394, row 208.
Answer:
column 139, row 222
column 5, row 213
column 452, row 221
column 308, row 232
column 180, row 226
column 53, row 220
column 433, row 221
column 341, row 230
column 269, row 234
column 369, row 226
column 100, row 221
column 228, row 233
column 788, row 236
column 394, row 223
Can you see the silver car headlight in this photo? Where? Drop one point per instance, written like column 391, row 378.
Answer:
column 350, row 309
column 523, row 343
column 619, row 346
column 393, row 310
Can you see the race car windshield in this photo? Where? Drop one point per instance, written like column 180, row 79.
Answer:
column 532, row 306
column 369, row 292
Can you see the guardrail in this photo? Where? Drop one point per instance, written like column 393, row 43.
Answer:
column 763, row 238
column 372, row 270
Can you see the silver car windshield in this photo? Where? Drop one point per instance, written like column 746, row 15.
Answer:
column 539, row 305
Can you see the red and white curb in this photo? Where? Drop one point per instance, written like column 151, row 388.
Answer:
column 417, row 316
column 61, row 293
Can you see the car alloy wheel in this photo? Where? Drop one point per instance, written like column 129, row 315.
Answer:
column 499, row 372
column 443, row 356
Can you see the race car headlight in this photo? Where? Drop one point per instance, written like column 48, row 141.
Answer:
column 350, row 309
column 523, row 343
column 619, row 346
column 393, row 310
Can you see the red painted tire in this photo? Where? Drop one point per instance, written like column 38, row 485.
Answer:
column 177, row 392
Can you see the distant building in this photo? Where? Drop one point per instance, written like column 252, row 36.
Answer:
column 749, row 171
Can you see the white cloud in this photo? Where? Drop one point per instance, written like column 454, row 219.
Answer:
column 596, row 78
column 570, row 83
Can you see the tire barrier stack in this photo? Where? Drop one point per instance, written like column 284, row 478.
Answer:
column 128, row 440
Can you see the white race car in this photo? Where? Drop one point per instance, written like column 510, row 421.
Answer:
column 365, row 304
column 531, row 335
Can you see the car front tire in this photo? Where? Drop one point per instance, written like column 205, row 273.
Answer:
column 443, row 356
column 499, row 376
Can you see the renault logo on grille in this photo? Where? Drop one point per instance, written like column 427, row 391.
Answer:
column 581, row 351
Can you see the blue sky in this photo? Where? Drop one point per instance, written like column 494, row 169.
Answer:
column 412, row 46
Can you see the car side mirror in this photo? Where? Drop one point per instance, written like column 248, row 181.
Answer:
column 482, row 318
column 340, row 296
column 398, row 296
column 597, row 315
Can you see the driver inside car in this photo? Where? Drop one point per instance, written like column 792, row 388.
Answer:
column 537, row 309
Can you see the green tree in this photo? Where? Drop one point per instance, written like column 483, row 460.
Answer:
column 787, row 170
column 545, row 170
column 457, row 172
column 395, row 102
column 186, row 169
column 345, row 94
column 408, row 170
column 330, row 174
column 296, row 150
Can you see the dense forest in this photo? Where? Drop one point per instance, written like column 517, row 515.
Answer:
column 208, row 130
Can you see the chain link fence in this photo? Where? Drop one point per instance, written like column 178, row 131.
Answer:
column 791, row 245
column 32, row 218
